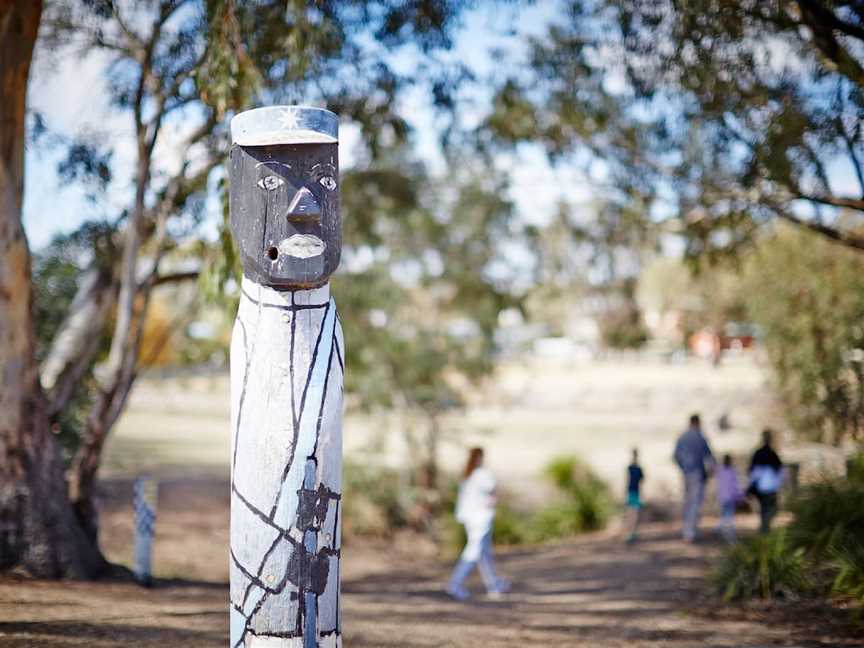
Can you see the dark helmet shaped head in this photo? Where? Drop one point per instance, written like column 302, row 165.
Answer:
column 284, row 195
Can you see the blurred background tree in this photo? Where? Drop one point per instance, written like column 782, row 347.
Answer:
column 713, row 118
column 807, row 297
column 695, row 126
column 420, row 292
column 177, row 69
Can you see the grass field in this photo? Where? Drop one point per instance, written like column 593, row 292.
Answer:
column 526, row 415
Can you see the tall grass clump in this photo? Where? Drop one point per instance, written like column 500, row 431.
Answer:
column 855, row 468
column 585, row 502
column 765, row 566
column 848, row 565
column 829, row 524
column 373, row 501
column 821, row 552
column 828, row 515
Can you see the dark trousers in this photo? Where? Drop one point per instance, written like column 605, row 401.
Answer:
column 767, row 510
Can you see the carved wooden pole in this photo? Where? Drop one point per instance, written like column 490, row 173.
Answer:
column 287, row 361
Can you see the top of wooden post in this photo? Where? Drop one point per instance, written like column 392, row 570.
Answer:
column 285, row 125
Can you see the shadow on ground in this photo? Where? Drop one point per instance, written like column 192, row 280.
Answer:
column 593, row 591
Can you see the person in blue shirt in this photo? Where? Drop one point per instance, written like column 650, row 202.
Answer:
column 694, row 458
column 634, row 503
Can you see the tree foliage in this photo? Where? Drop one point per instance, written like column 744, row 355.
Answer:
column 176, row 70
column 807, row 297
column 716, row 117
column 420, row 290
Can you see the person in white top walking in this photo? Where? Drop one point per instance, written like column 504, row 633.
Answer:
column 475, row 509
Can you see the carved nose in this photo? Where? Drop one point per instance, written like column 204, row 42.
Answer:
column 304, row 205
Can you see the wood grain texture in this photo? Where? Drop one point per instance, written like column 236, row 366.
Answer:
column 286, row 423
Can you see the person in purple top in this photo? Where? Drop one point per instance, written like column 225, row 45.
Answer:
column 728, row 496
column 694, row 458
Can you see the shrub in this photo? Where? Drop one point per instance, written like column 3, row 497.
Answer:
column 511, row 526
column 807, row 298
column 765, row 566
column 855, row 468
column 585, row 506
column 377, row 503
column 828, row 516
column 848, row 561
column 371, row 500
column 828, row 523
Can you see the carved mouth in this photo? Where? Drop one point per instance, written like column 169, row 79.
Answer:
column 302, row 246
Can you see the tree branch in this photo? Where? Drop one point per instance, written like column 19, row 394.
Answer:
column 856, row 163
column 134, row 41
column 845, row 238
column 75, row 345
column 856, row 204
column 830, row 18
column 818, row 19
column 174, row 277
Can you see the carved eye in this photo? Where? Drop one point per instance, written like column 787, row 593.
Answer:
column 328, row 183
column 270, row 182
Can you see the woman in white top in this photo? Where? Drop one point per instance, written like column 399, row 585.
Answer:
column 475, row 509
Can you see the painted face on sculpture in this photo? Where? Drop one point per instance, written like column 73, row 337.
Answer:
column 285, row 213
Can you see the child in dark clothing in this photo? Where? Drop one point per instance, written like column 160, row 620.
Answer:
column 634, row 503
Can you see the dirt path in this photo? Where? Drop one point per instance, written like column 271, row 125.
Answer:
column 593, row 591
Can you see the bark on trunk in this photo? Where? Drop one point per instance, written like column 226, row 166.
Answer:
column 38, row 530
column 85, row 464
column 77, row 342
column 115, row 385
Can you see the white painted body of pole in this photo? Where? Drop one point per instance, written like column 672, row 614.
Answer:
column 287, row 362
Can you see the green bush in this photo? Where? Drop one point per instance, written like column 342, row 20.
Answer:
column 765, row 566
column 848, row 562
column 377, row 502
column 585, row 503
column 561, row 471
column 828, row 522
column 373, row 501
column 855, row 468
column 821, row 552
column 511, row 526
column 827, row 516
column 806, row 295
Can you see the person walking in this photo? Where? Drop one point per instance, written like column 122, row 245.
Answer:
column 475, row 509
column 766, row 477
column 634, row 502
column 728, row 496
column 694, row 458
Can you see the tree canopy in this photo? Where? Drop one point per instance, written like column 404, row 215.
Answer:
column 713, row 117
column 177, row 70
column 807, row 297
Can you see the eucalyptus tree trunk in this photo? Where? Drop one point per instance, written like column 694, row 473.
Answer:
column 38, row 530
